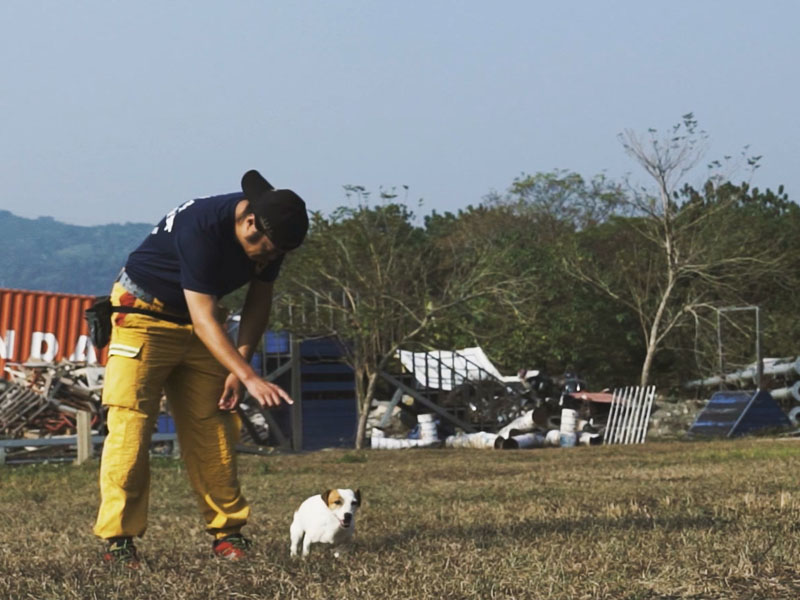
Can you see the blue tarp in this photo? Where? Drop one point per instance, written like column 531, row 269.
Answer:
column 735, row 413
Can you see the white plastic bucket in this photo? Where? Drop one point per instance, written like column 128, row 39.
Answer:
column 427, row 428
column 569, row 420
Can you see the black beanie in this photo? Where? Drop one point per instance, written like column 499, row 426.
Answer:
column 280, row 214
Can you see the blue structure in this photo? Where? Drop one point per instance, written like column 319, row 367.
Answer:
column 735, row 413
column 330, row 414
column 327, row 384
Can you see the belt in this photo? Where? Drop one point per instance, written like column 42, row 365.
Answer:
column 139, row 292
column 132, row 287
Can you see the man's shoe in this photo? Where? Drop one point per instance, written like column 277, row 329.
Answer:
column 121, row 551
column 232, row 547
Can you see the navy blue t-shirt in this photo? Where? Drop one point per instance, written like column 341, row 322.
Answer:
column 194, row 247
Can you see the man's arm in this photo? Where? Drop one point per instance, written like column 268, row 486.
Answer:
column 255, row 316
column 202, row 310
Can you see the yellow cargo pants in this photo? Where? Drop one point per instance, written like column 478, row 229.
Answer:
column 148, row 356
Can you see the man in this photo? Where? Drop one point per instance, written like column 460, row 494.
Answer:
column 166, row 336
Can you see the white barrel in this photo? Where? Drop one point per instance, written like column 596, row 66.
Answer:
column 427, row 428
column 568, row 440
column 553, row 438
column 529, row 440
column 569, row 420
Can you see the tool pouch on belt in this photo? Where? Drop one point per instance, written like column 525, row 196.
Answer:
column 98, row 317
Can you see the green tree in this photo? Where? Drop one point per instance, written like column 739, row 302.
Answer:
column 563, row 325
column 376, row 281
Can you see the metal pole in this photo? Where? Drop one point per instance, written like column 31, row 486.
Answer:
column 759, row 359
column 83, row 420
column 719, row 352
column 297, row 393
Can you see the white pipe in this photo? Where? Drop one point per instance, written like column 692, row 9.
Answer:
column 787, row 392
column 480, row 439
column 522, row 424
column 777, row 367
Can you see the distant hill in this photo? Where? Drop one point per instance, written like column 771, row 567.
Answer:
column 44, row 254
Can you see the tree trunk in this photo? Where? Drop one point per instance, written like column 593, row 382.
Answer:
column 364, row 403
column 648, row 362
column 652, row 338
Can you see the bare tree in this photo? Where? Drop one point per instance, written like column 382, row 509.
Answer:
column 672, row 266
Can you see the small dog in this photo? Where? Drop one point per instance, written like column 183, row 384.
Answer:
column 327, row 518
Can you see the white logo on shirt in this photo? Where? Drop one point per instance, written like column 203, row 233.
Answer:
column 170, row 218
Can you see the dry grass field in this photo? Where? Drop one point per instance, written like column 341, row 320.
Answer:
column 664, row 520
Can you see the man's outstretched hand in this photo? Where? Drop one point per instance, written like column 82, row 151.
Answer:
column 265, row 393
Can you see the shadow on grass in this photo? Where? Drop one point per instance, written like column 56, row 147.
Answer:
column 541, row 529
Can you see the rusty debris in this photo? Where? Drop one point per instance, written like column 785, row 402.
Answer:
column 42, row 399
column 40, row 403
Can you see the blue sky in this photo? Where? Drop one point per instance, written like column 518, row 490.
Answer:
column 115, row 112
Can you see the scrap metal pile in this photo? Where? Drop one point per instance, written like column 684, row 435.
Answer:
column 39, row 405
column 42, row 399
column 459, row 398
column 575, row 418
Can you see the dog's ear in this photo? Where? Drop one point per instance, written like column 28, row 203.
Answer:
column 324, row 495
column 358, row 497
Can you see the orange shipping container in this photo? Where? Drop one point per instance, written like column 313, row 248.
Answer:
column 45, row 327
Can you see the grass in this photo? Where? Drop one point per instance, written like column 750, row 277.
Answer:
column 664, row 520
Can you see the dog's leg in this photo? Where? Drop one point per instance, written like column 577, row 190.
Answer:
column 297, row 535
column 306, row 545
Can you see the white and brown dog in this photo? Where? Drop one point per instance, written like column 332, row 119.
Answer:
column 326, row 518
